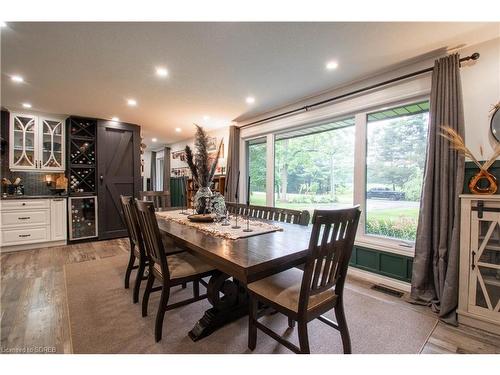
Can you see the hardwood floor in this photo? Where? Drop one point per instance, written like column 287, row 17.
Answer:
column 33, row 294
column 34, row 302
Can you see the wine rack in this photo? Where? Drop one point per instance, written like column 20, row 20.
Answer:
column 82, row 218
column 82, row 156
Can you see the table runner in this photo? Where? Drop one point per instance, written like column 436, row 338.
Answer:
column 216, row 229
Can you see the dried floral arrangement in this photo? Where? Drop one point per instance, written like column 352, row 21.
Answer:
column 199, row 163
column 457, row 143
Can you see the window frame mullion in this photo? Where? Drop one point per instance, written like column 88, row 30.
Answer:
column 270, row 169
column 359, row 178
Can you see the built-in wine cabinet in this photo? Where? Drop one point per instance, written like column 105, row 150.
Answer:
column 82, row 177
column 82, row 155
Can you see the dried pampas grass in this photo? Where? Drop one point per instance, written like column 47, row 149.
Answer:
column 457, row 143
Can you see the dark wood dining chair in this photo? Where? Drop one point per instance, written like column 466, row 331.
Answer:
column 137, row 250
column 168, row 270
column 306, row 295
column 160, row 199
column 270, row 213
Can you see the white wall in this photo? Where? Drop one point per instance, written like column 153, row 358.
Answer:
column 221, row 133
column 147, row 168
column 481, row 90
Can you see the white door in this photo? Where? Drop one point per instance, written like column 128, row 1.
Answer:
column 58, row 219
column 24, row 138
column 51, row 156
column 484, row 283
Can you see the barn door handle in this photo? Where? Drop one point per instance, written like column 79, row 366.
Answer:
column 473, row 260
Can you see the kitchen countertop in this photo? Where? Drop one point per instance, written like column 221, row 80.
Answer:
column 50, row 196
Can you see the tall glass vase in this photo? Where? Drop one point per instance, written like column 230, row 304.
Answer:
column 202, row 200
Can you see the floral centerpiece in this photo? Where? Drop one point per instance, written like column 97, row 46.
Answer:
column 203, row 171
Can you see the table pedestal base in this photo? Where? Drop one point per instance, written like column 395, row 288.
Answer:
column 231, row 306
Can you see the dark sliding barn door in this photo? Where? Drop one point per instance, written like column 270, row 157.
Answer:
column 119, row 173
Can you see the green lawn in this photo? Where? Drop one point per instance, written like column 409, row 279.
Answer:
column 382, row 219
column 393, row 214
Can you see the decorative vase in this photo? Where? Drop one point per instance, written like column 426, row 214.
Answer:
column 218, row 205
column 202, row 200
column 475, row 183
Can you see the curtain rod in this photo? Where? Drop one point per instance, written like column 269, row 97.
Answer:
column 306, row 108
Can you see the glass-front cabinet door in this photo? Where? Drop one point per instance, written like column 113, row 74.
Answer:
column 484, row 284
column 52, row 144
column 24, row 142
column 38, row 143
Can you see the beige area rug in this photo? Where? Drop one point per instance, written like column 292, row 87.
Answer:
column 103, row 319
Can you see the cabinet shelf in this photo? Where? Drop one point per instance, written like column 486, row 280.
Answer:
column 490, row 280
column 82, row 165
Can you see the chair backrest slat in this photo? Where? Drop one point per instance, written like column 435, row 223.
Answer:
column 132, row 223
column 330, row 248
column 270, row 213
column 151, row 235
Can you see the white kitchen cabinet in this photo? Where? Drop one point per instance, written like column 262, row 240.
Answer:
column 37, row 143
column 31, row 223
column 58, row 219
column 479, row 287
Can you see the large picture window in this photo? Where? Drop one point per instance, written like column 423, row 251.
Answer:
column 395, row 159
column 314, row 167
column 373, row 158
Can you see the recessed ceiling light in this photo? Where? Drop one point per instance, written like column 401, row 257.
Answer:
column 161, row 72
column 26, row 105
column 178, row 130
column 132, row 102
column 332, row 65
column 206, row 117
column 115, row 119
column 154, row 139
column 17, row 79
column 3, row 24
column 250, row 100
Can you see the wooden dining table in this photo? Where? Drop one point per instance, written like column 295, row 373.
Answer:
column 238, row 262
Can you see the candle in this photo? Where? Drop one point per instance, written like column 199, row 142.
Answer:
column 227, row 179
column 184, row 191
column 237, row 187
column 248, row 192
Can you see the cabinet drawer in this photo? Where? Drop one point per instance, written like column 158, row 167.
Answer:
column 22, row 204
column 21, row 218
column 25, row 236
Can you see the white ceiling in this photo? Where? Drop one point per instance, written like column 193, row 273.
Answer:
column 91, row 69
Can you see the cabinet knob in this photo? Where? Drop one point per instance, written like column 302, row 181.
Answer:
column 101, row 177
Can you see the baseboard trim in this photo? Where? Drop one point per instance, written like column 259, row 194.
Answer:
column 31, row 246
column 379, row 279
